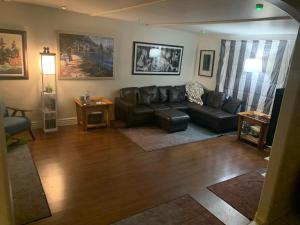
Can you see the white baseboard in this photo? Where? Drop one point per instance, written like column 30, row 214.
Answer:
column 67, row 121
column 60, row 122
column 36, row 124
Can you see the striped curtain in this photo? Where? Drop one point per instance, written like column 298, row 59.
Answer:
column 256, row 89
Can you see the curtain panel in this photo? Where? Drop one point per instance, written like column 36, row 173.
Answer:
column 257, row 89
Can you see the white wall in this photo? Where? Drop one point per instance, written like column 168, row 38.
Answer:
column 42, row 25
column 213, row 42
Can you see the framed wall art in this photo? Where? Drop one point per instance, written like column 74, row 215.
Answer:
column 206, row 63
column 86, row 57
column 156, row 59
column 13, row 61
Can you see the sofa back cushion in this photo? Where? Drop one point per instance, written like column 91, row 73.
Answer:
column 215, row 99
column 204, row 96
column 231, row 105
column 130, row 94
column 182, row 92
column 145, row 98
column 164, row 93
column 151, row 90
column 174, row 95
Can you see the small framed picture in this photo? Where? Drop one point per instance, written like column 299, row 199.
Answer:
column 206, row 63
column 13, row 62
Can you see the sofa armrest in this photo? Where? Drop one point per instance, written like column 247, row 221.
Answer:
column 122, row 105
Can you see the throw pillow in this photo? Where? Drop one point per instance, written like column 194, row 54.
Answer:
column 231, row 105
column 215, row 99
column 194, row 92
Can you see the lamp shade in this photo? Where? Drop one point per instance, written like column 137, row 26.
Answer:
column 253, row 65
column 48, row 64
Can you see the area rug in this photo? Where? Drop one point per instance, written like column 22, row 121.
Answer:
column 29, row 200
column 153, row 138
column 242, row 192
column 184, row 211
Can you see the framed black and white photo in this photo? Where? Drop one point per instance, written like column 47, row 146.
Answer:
column 206, row 63
column 156, row 59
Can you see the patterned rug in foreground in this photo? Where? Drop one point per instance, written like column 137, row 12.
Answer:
column 184, row 211
column 29, row 200
column 242, row 192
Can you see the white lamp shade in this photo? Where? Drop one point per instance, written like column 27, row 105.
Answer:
column 48, row 64
column 154, row 52
column 253, row 65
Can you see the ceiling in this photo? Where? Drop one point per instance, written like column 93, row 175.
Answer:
column 191, row 15
column 272, row 27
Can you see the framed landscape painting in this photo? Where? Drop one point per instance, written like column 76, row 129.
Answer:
column 156, row 59
column 86, row 57
column 206, row 63
column 13, row 62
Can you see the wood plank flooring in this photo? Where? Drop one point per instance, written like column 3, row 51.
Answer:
column 101, row 176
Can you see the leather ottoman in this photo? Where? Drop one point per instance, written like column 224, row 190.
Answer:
column 172, row 120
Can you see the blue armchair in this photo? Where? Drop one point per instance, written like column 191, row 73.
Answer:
column 14, row 124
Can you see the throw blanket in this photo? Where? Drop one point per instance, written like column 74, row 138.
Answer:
column 194, row 92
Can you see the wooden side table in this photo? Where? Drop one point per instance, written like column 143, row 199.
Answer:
column 96, row 104
column 257, row 119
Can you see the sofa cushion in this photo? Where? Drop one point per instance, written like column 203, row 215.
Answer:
column 153, row 91
column 174, row 95
column 210, row 112
column 159, row 106
column 142, row 109
column 231, row 105
column 181, row 89
column 178, row 106
column 204, row 96
column 215, row 99
column 163, row 93
column 129, row 94
column 145, row 98
column 15, row 124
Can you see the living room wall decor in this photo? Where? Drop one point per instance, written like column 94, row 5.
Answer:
column 13, row 62
column 206, row 63
column 156, row 59
column 86, row 57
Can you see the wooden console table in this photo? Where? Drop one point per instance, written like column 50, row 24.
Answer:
column 96, row 104
column 255, row 119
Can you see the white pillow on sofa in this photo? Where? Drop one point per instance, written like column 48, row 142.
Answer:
column 194, row 92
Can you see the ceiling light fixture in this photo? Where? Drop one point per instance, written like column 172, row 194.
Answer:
column 63, row 7
column 259, row 7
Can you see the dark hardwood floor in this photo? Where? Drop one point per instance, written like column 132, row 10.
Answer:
column 101, row 176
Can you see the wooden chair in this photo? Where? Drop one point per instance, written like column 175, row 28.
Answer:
column 13, row 123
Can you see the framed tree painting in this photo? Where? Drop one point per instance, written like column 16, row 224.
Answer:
column 206, row 63
column 156, row 59
column 13, row 62
column 85, row 57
